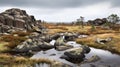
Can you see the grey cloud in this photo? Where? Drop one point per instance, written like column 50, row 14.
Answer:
column 50, row 3
column 115, row 3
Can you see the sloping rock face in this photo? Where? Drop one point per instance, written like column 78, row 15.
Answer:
column 17, row 18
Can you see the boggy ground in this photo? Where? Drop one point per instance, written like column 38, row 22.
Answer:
column 98, row 32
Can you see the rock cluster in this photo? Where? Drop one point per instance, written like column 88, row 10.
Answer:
column 34, row 43
column 67, row 36
column 17, row 18
column 97, row 21
column 37, row 41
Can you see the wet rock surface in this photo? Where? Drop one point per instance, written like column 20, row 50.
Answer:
column 70, row 36
column 94, row 58
column 61, row 45
column 86, row 49
column 76, row 54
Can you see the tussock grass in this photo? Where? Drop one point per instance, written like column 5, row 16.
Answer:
column 12, row 41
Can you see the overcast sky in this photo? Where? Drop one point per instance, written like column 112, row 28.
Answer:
column 64, row 10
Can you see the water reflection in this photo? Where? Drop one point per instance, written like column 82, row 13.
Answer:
column 107, row 58
column 42, row 65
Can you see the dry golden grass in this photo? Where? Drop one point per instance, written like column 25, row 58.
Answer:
column 57, row 27
column 2, row 47
column 22, row 34
column 53, row 31
column 78, row 29
column 7, row 60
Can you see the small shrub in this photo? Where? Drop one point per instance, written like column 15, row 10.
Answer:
column 93, row 28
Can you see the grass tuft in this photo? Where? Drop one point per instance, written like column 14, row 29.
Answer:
column 13, row 41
